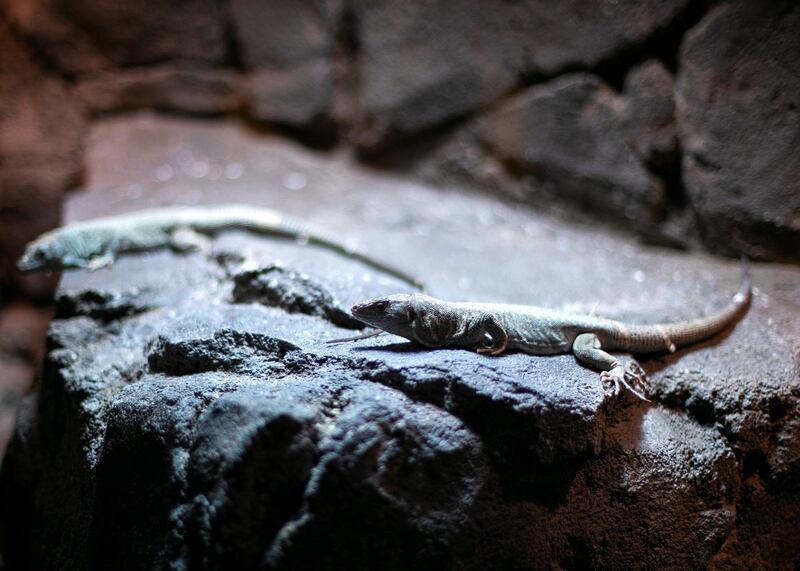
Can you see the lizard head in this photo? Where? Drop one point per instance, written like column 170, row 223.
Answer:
column 416, row 317
column 50, row 251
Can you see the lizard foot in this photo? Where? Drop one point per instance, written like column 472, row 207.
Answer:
column 631, row 377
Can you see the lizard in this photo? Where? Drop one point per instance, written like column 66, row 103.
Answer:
column 494, row 328
column 96, row 243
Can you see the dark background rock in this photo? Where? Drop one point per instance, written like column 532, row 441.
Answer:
column 651, row 114
column 572, row 133
column 289, row 48
column 575, row 34
column 423, row 64
column 738, row 95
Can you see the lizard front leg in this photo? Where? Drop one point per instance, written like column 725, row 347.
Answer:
column 588, row 349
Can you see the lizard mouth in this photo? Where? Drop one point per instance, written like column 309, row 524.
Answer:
column 26, row 264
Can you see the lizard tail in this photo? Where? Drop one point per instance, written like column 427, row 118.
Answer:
column 652, row 338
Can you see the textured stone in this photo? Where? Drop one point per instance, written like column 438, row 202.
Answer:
column 282, row 34
column 651, row 113
column 299, row 97
column 167, row 400
column 738, row 95
column 288, row 48
column 41, row 131
column 421, row 64
column 577, row 34
column 85, row 36
column 572, row 133
column 186, row 89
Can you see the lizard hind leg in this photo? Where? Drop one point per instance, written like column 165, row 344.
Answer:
column 615, row 376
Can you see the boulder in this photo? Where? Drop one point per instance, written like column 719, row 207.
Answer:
column 421, row 65
column 572, row 133
column 738, row 95
column 288, row 47
column 574, row 34
column 190, row 413
column 300, row 97
column 649, row 95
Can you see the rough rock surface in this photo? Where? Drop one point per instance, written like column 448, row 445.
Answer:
column 738, row 105
column 289, row 48
column 179, row 426
column 282, row 33
column 572, row 133
column 299, row 98
column 423, row 64
column 576, row 34
column 41, row 131
column 651, row 113
column 182, row 88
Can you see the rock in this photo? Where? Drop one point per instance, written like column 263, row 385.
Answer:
column 570, row 35
column 80, row 37
column 41, row 132
column 422, row 65
column 572, row 133
column 282, row 34
column 291, row 68
column 738, row 95
column 185, row 89
column 179, row 424
column 649, row 94
column 299, row 97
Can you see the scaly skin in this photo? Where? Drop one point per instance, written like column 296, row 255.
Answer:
column 495, row 328
column 97, row 243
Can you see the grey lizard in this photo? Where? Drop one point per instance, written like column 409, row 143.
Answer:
column 96, row 243
column 495, row 328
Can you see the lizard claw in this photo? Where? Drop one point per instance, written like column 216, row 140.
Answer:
column 631, row 377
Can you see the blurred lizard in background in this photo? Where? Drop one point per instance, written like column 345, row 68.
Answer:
column 96, row 243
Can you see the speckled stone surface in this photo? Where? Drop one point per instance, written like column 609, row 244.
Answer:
column 179, row 426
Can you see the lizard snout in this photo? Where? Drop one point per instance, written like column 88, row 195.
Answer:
column 370, row 308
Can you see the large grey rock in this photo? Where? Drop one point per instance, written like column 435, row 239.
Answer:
column 289, row 49
column 572, row 133
column 577, row 34
column 172, row 87
column 738, row 95
column 191, row 414
column 422, row 64
column 282, row 33
column 41, row 132
column 300, row 97
column 649, row 94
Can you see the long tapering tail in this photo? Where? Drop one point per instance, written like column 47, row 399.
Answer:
column 669, row 336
